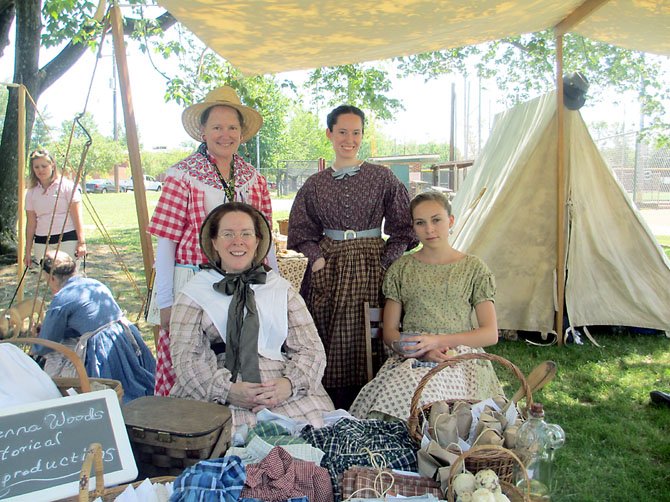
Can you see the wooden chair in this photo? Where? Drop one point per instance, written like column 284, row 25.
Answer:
column 373, row 330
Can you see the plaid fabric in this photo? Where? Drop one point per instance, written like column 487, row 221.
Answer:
column 165, row 376
column 279, row 477
column 274, row 434
column 365, row 482
column 352, row 442
column 352, row 275
column 219, row 480
column 183, row 207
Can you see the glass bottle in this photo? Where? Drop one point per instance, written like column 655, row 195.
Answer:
column 535, row 445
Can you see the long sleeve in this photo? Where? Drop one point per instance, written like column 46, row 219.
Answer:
column 306, row 357
column 53, row 327
column 305, row 229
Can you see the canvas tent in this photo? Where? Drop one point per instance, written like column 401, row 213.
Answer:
column 506, row 211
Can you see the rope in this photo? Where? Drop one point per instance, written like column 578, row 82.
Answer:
column 378, row 462
column 78, row 174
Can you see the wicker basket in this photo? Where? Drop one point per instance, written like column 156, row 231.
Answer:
column 94, row 459
column 498, row 461
column 508, row 488
column 81, row 383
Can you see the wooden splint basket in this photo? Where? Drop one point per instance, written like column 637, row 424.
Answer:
column 168, row 434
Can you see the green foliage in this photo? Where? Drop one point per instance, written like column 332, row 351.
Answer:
column 154, row 163
column 525, row 65
column 362, row 85
column 601, row 399
column 305, row 136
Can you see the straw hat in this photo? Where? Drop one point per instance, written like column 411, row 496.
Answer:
column 231, row 207
column 221, row 96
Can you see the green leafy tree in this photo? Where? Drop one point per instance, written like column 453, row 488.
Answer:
column 362, row 85
column 525, row 65
column 67, row 24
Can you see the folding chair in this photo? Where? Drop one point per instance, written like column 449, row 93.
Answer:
column 373, row 330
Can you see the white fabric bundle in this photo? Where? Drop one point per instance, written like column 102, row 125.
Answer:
column 22, row 380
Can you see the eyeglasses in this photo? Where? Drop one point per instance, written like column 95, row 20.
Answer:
column 229, row 235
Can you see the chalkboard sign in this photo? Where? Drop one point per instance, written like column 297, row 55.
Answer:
column 43, row 445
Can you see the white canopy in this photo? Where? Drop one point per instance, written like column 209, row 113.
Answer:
column 506, row 214
column 270, row 36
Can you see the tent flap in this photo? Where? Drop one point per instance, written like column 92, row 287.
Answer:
column 616, row 272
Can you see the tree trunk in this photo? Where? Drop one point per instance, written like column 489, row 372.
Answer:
column 28, row 72
column 28, row 30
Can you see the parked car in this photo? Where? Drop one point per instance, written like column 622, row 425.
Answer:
column 100, row 186
column 150, row 183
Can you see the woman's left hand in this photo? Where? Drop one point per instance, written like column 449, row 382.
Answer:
column 81, row 250
column 425, row 343
column 275, row 392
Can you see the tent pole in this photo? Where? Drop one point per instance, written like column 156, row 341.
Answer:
column 132, row 139
column 133, row 147
column 21, row 164
column 560, row 193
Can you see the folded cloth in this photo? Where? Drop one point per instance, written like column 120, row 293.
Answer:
column 218, row 480
column 279, row 477
column 366, row 482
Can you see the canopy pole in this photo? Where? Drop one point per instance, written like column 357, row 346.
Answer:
column 21, row 165
column 132, row 140
column 560, row 193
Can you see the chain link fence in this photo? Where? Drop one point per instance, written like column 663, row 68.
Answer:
column 643, row 171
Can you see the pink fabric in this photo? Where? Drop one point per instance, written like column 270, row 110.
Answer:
column 279, row 477
column 43, row 203
column 181, row 209
column 165, row 376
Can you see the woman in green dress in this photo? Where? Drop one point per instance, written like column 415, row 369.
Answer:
column 434, row 291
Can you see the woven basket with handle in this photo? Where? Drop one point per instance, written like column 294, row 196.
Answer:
column 497, row 460
column 82, row 383
column 93, row 460
column 508, row 487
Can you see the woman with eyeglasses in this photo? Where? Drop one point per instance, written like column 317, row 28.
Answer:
column 240, row 334
column 53, row 211
column 214, row 174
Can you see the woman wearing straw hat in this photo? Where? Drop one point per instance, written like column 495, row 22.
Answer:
column 241, row 335
column 215, row 173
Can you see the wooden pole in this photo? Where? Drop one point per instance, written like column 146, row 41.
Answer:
column 560, row 193
column 21, row 163
column 133, row 141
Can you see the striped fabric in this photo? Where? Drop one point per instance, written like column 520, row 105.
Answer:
column 366, row 482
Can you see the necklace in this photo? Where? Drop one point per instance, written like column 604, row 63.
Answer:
column 229, row 187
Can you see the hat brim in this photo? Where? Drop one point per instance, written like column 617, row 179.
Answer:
column 190, row 118
column 206, row 241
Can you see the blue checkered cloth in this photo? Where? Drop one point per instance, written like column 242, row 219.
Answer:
column 218, row 480
column 351, row 442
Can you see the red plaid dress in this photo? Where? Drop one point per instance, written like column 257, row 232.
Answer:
column 191, row 191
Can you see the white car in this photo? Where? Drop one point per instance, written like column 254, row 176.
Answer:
column 150, row 183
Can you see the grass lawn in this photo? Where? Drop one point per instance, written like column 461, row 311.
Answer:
column 617, row 447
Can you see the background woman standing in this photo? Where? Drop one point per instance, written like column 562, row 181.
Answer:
column 336, row 222
column 214, row 174
column 53, row 205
